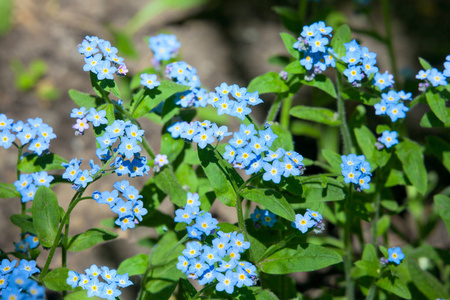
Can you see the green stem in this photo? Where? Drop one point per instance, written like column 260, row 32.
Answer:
column 72, row 205
column 347, row 139
column 285, row 108
column 203, row 290
column 348, row 257
column 377, row 207
column 148, row 148
column 135, row 106
column 274, row 109
column 386, row 12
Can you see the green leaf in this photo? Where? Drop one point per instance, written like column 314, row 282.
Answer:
column 85, row 100
column 366, row 141
column 124, row 43
column 171, row 147
column 47, row 162
column 89, row 238
column 426, row 65
column 323, row 83
column 426, row 283
column 316, row 114
column 8, row 190
column 369, row 268
column 151, row 98
column 440, row 149
column 394, row 285
column 135, row 265
column 284, row 139
column 411, row 157
column 295, row 68
column 430, row 120
column 221, row 175
column 79, row 295
column 186, row 290
column 289, row 41
column 313, row 190
column 334, row 159
column 383, row 224
column 266, row 295
column 442, row 204
column 271, row 199
column 308, row 258
column 396, row 177
column 342, row 35
column 437, row 105
column 46, row 216
column 168, row 183
column 267, row 83
column 24, row 222
column 352, row 93
column 186, row 176
column 55, row 280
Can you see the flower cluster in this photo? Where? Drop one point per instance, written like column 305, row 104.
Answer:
column 433, row 76
column 264, row 216
column 249, row 149
column 356, row 169
column 237, row 107
column 130, row 212
column 27, row 243
column 129, row 162
column 79, row 178
column 309, row 220
column 388, row 139
column 100, row 63
column 185, row 74
column 312, row 44
column 164, row 47
column 15, row 281
column 90, row 282
column 203, row 133
column 97, row 118
column 28, row 184
column 218, row 259
column 36, row 134
column 391, row 104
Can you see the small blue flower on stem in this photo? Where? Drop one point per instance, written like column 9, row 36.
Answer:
column 395, row 255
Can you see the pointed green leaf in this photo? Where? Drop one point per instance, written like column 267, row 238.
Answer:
column 271, row 199
column 266, row 295
column 394, row 285
column 151, row 98
column 313, row 190
column 47, row 162
column 55, row 280
column 316, row 114
column 437, row 105
column 289, row 41
column 426, row 65
column 440, row 149
column 305, row 258
column 442, row 204
column 8, row 190
column 352, row 93
column 168, row 183
column 24, row 222
column 85, row 100
column 135, row 265
column 342, row 35
column 366, row 141
column 333, row 159
column 430, row 120
column 80, row 295
column 284, row 139
column 411, row 157
column 295, row 68
column 323, row 83
column 223, row 178
column 171, row 147
column 89, row 239
column 268, row 83
column 426, row 283
column 46, row 215
column 186, row 290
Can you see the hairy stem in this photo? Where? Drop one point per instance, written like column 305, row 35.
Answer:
column 347, row 139
column 285, row 108
column 348, row 257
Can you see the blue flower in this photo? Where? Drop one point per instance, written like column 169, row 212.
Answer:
column 128, row 147
column 239, row 140
column 123, row 281
column 97, row 117
column 253, row 99
column 26, row 135
column 7, row 266
column 110, row 291
column 422, row 75
column 230, row 153
column 397, row 111
column 313, row 214
column 436, row 78
column 83, row 179
column 242, row 278
column 88, row 48
column 351, row 174
column 109, row 198
column 303, row 223
column 149, row 80
column 352, row 58
column 268, row 136
column 240, row 110
column 254, row 166
column 395, row 255
column 353, row 73
column 381, row 108
column 389, row 138
column 104, row 70
column 42, row 178
column 94, row 287
column 226, row 282
column 268, row 218
column 6, row 139
column 5, row 123
column 206, row 223
column 192, row 250
column 382, row 81
column 139, row 210
column 91, row 64
column 176, row 129
column 239, row 243
column 273, row 171
column 318, row 43
column 391, row 97
column 183, row 264
column 125, row 222
column 204, row 137
column 363, row 182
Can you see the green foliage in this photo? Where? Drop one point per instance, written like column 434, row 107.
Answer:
column 46, row 215
column 89, row 238
column 47, row 162
column 320, row 115
column 56, row 279
column 135, row 265
column 411, row 157
column 304, row 258
column 8, row 190
column 268, row 83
